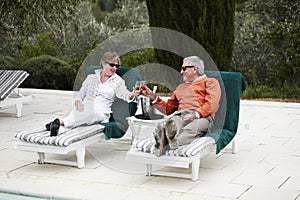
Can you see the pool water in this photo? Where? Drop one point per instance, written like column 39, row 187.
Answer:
column 9, row 196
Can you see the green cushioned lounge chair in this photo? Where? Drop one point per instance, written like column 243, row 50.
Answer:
column 224, row 131
column 117, row 125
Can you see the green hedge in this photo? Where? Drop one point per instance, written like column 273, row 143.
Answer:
column 7, row 62
column 47, row 72
column 263, row 91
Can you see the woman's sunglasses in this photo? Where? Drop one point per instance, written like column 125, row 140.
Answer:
column 113, row 65
column 183, row 68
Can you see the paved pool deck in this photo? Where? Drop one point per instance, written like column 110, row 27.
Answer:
column 267, row 165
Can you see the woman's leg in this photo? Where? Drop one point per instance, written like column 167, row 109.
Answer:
column 87, row 116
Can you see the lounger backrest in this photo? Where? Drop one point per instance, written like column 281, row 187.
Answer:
column 227, row 118
column 118, row 124
column 10, row 80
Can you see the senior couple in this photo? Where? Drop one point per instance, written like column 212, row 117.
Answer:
column 194, row 102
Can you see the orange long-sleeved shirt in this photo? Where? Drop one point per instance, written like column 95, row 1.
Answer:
column 202, row 96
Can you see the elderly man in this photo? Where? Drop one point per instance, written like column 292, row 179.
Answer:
column 193, row 105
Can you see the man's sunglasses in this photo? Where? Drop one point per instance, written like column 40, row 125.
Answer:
column 183, row 68
column 113, row 65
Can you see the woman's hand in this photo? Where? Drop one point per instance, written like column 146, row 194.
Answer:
column 135, row 92
column 79, row 106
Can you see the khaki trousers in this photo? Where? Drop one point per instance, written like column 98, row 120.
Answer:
column 188, row 131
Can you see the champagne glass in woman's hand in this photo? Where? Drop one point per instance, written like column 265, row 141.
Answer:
column 142, row 86
column 137, row 86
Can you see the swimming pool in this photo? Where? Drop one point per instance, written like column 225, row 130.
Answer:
column 11, row 196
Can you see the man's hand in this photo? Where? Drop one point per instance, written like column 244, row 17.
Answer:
column 189, row 117
column 149, row 93
column 79, row 106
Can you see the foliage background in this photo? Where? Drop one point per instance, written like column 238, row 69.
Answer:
column 55, row 36
column 210, row 23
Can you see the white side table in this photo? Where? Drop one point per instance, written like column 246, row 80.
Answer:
column 136, row 124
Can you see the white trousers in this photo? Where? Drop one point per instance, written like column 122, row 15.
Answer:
column 88, row 116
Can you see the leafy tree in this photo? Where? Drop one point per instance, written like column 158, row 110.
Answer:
column 127, row 15
column 41, row 44
column 251, row 50
column 26, row 17
column 267, row 44
column 285, row 42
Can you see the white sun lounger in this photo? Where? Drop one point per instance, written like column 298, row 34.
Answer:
column 9, row 94
column 142, row 152
column 39, row 141
column 225, row 129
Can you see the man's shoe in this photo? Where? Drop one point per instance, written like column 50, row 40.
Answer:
column 54, row 127
column 157, row 135
column 171, row 131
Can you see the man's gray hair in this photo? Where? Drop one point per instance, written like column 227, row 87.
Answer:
column 197, row 62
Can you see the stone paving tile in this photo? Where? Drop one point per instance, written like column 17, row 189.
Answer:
column 46, row 170
column 293, row 183
column 221, row 161
column 170, row 184
column 56, row 188
column 253, row 178
column 220, row 176
column 262, row 193
column 220, row 189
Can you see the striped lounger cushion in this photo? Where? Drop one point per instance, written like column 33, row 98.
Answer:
column 199, row 145
column 42, row 136
column 9, row 80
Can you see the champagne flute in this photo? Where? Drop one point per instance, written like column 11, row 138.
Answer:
column 142, row 85
column 137, row 85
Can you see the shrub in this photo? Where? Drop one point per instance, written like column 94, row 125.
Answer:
column 41, row 44
column 47, row 72
column 264, row 91
column 7, row 62
column 135, row 59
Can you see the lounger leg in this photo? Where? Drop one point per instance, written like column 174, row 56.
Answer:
column 234, row 145
column 80, row 153
column 19, row 109
column 134, row 130
column 149, row 169
column 41, row 157
column 195, row 169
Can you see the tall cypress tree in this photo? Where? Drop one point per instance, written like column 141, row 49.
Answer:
column 210, row 23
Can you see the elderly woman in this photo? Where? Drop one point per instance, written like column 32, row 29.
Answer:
column 93, row 102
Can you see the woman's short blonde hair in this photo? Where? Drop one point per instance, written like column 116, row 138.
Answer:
column 110, row 57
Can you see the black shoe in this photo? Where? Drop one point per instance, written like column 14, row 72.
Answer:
column 54, row 127
column 48, row 126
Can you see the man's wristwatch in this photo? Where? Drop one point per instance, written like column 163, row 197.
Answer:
column 197, row 116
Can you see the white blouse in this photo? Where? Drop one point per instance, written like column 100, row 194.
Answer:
column 103, row 94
